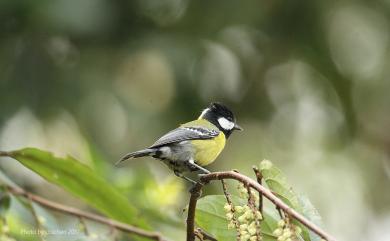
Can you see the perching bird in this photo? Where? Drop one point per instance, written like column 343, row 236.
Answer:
column 194, row 144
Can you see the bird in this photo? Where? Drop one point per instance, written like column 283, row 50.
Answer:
column 193, row 145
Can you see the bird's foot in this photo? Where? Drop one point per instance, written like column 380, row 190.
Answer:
column 179, row 174
column 195, row 167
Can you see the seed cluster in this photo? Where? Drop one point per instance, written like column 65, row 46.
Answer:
column 245, row 218
column 287, row 231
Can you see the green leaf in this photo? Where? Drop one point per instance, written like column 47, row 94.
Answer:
column 311, row 213
column 79, row 180
column 277, row 182
column 210, row 216
column 5, row 202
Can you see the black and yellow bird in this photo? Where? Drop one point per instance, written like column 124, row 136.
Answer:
column 194, row 144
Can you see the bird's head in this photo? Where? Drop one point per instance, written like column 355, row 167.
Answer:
column 222, row 117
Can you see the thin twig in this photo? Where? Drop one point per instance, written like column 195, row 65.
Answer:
column 259, row 178
column 246, row 180
column 280, row 212
column 198, row 235
column 83, row 225
column 204, row 235
column 230, row 202
column 252, row 205
column 79, row 213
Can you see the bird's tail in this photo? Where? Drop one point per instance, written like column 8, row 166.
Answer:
column 136, row 154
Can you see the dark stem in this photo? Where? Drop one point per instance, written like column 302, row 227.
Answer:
column 202, row 235
column 259, row 178
column 280, row 212
column 229, row 201
column 195, row 194
column 251, row 204
column 4, row 153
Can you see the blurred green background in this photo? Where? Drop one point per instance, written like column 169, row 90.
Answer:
column 308, row 81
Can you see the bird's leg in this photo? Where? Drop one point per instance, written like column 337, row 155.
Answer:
column 192, row 164
column 179, row 174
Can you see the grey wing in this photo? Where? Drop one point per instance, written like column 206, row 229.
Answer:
column 184, row 134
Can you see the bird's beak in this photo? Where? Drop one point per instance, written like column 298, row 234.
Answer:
column 237, row 127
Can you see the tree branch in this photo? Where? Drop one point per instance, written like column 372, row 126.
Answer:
column 205, row 179
column 85, row 215
column 195, row 194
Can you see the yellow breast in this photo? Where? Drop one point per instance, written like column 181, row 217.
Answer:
column 206, row 151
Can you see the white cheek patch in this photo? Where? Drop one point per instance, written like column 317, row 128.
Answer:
column 225, row 124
